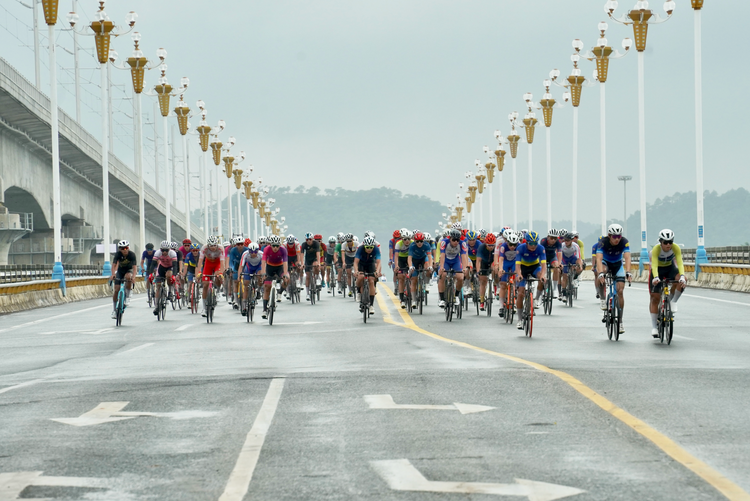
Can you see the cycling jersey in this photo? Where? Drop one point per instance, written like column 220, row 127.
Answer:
column 291, row 250
column 191, row 261
column 249, row 264
column 472, row 249
column 452, row 254
column 212, row 255
column 572, row 253
column 126, row 261
column 581, row 246
column 235, row 255
column 349, row 249
column 551, row 249
column 665, row 259
column 613, row 253
column 402, row 249
column 310, row 251
column 184, row 250
column 148, row 258
column 419, row 254
column 275, row 257
column 528, row 257
column 486, row 255
column 165, row 260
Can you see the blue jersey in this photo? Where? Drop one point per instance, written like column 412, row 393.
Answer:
column 365, row 258
column 235, row 255
column 509, row 255
column 551, row 249
column 419, row 253
column 485, row 255
column 528, row 257
column 148, row 256
column 472, row 249
column 191, row 262
column 613, row 253
column 452, row 254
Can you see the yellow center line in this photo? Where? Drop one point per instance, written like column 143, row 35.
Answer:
column 721, row 483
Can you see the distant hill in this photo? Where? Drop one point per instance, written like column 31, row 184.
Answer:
column 727, row 220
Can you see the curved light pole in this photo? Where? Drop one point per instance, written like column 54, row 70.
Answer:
column 204, row 130
column 529, row 125
column 700, row 253
column 640, row 17
column 229, row 164
column 500, row 160
column 183, row 113
column 602, row 53
column 481, row 177
column 513, row 139
column 216, row 146
column 103, row 29
column 547, row 105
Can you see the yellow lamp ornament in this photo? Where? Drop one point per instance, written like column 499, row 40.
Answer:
column 468, row 204
column 513, row 139
column 473, row 193
column 238, row 178
column 228, row 164
column 255, row 196
column 481, row 178
column 183, row 113
column 459, row 212
column 248, row 189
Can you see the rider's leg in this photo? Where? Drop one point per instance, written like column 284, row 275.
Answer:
column 555, row 280
column 620, row 294
column 482, row 287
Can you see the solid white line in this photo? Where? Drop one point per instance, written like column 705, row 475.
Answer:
column 704, row 297
column 183, row 327
column 46, row 319
column 27, row 383
column 136, row 348
column 239, row 479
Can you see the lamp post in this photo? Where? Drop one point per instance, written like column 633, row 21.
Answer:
column 103, row 29
column 700, row 253
column 602, row 53
column 624, row 180
column 500, row 156
column 529, row 124
column 183, row 113
column 548, row 105
column 248, row 188
column 216, row 146
column 640, row 17
column 50, row 16
column 165, row 91
column 481, row 177
column 204, row 130
column 489, row 168
column 513, row 139
column 137, row 64
column 229, row 163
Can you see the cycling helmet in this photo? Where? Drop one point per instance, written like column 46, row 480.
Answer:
column 225, row 244
column 490, row 239
column 568, row 236
column 446, row 232
column 253, row 248
column 454, row 233
column 406, row 235
column 666, row 235
column 396, row 234
column 482, row 233
column 186, row 242
column 512, row 238
column 175, row 245
column 524, row 232
column 238, row 240
column 349, row 237
column 331, row 239
column 419, row 237
column 532, row 238
column 561, row 232
column 274, row 240
column 471, row 235
column 149, row 246
column 370, row 233
column 428, row 237
column 575, row 233
column 403, row 230
column 248, row 242
column 212, row 240
column 456, row 226
column 414, row 232
column 614, row 229
column 318, row 237
column 505, row 228
column 369, row 242
column 165, row 244
column 290, row 239
column 308, row 235
column 262, row 239
column 123, row 243
column 340, row 234
column 553, row 233
column 195, row 247
column 355, row 239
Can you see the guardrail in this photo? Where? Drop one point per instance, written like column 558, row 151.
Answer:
column 17, row 273
column 43, row 285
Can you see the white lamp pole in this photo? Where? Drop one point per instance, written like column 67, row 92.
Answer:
column 500, row 157
column 513, row 139
column 700, row 254
column 529, row 125
column 547, row 105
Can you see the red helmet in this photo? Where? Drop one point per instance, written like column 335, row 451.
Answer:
column 464, row 231
column 248, row 242
column 397, row 234
column 186, row 242
column 318, row 237
column 490, row 239
column 419, row 237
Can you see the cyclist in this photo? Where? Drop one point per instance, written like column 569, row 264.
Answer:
column 391, row 254
column 348, row 253
column 275, row 265
column 148, row 258
column 341, row 238
column 310, row 249
column 595, row 263
column 124, row 268
column 401, row 254
column 581, row 247
column 613, row 250
column 211, row 266
column 506, row 255
column 485, row 260
column 235, row 255
column 419, row 260
column 330, row 255
column 571, row 256
column 262, row 242
column 165, row 257
column 190, row 262
column 552, row 247
column 531, row 260
column 452, row 257
column 322, row 264
column 250, row 266
column 292, row 248
column 367, row 260
column 185, row 249
column 666, row 256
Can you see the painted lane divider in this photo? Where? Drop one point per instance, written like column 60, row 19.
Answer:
column 386, row 402
column 109, row 412
column 12, row 484
column 401, row 475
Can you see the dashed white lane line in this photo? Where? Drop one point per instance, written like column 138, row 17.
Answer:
column 22, row 385
column 184, row 327
column 239, row 479
column 47, row 319
column 703, row 297
column 131, row 350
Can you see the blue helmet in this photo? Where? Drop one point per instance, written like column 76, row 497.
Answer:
column 532, row 238
column 471, row 235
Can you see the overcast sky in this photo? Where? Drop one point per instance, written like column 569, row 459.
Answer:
column 406, row 93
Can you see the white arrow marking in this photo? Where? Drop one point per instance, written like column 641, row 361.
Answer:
column 386, row 402
column 12, row 484
column 401, row 475
column 107, row 412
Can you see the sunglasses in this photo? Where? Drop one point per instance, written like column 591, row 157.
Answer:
column 615, row 236
column 667, row 242
column 124, row 248
column 369, row 247
column 454, row 240
column 275, row 246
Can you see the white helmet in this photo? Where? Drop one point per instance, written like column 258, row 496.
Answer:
column 614, row 229
column 290, row 239
column 253, row 248
column 331, row 239
column 666, row 234
column 274, row 240
column 368, row 241
column 174, row 245
column 512, row 237
column 370, row 234
column 165, row 244
column 238, row 240
column 456, row 226
column 123, row 243
column 225, row 244
column 262, row 239
column 553, row 232
column 406, row 234
column 212, row 240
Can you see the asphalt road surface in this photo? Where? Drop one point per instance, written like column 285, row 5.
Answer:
column 321, row 406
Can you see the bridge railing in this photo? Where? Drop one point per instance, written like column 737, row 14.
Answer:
column 16, row 220
column 13, row 273
column 716, row 255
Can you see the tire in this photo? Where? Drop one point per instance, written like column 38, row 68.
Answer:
column 617, row 320
column 120, row 308
column 571, row 293
column 526, row 315
column 610, row 321
column 669, row 328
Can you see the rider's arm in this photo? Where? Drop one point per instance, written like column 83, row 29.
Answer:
column 356, row 264
column 626, row 258
column 115, row 265
column 678, row 259
column 377, row 268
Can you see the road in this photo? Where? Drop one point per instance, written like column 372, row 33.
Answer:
column 322, row 406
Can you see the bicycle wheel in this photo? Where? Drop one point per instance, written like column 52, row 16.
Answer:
column 448, row 303
column 617, row 319
column 475, row 297
column 461, row 300
column 527, row 308
column 120, row 306
column 609, row 319
column 570, row 291
column 669, row 327
column 150, row 295
column 363, row 304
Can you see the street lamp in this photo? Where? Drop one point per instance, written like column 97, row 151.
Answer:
column 216, row 146
column 489, row 168
column 700, row 253
column 50, row 16
column 548, row 105
column 137, row 64
column 103, row 29
column 500, row 158
column 624, row 180
column 529, row 124
column 183, row 113
column 513, row 139
column 229, row 163
column 640, row 17
column 481, row 177
column 204, row 131
column 602, row 53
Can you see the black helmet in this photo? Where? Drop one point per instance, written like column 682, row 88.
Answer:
column 150, row 246
column 455, row 234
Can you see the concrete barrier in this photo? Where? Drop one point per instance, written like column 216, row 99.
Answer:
column 734, row 279
column 77, row 290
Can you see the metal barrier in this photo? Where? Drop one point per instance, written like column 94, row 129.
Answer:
column 14, row 273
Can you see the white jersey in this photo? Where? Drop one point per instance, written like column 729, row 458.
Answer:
column 247, row 258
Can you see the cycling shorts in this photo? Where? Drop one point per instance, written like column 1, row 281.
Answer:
column 665, row 273
column 509, row 268
column 418, row 267
column 161, row 273
column 273, row 272
column 210, row 268
column 120, row 275
column 454, row 265
column 617, row 270
column 291, row 260
column 533, row 270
